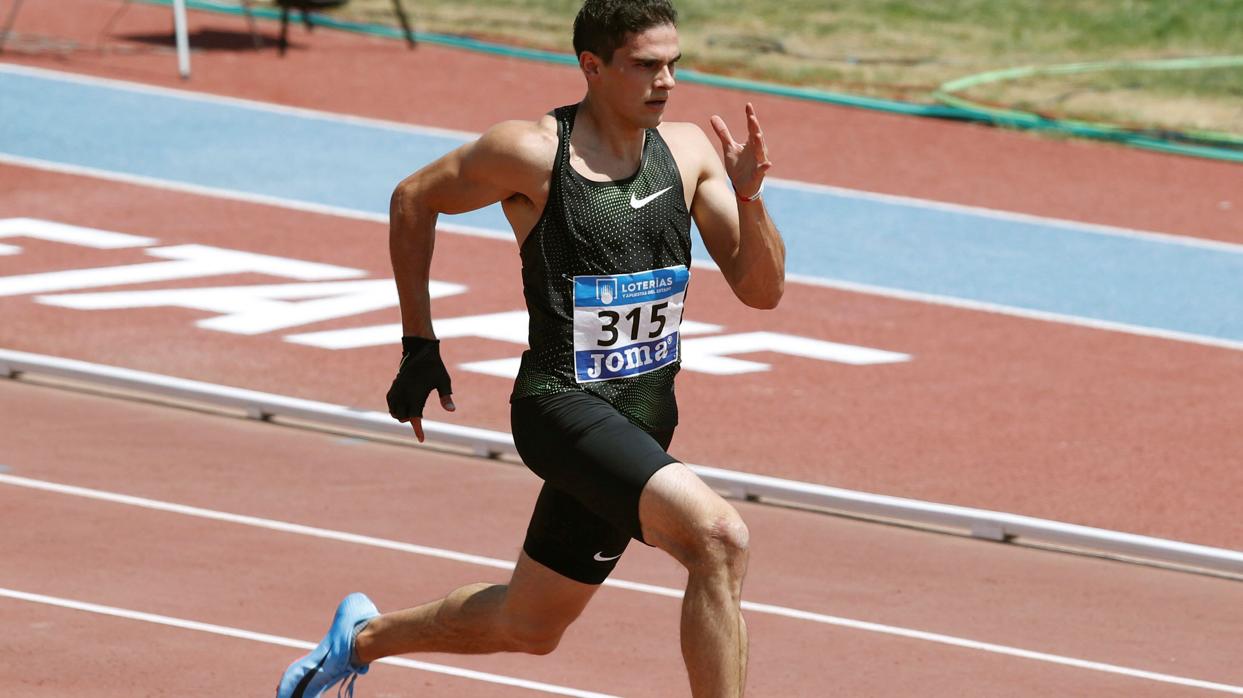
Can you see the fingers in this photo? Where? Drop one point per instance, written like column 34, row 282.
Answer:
column 416, row 423
column 722, row 131
column 753, row 125
column 756, row 136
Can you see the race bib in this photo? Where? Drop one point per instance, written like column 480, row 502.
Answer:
column 627, row 324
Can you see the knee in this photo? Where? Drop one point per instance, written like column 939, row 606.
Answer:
column 720, row 542
column 535, row 638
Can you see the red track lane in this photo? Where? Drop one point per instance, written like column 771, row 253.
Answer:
column 285, row 584
column 997, row 412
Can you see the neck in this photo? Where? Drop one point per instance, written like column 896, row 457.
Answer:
column 607, row 132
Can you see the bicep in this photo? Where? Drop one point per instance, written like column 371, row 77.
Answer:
column 490, row 169
column 459, row 181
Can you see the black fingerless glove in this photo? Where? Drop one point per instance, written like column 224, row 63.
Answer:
column 420, row 370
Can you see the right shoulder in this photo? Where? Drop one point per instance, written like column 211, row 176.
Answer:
column 511, row 158
column 526, row 145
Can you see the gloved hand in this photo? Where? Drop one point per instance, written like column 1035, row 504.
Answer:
column 420, row 370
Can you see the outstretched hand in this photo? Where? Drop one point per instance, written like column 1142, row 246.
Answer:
column 420, row 371
column 745, row 163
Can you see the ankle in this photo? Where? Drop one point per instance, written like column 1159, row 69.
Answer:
column 361, row 637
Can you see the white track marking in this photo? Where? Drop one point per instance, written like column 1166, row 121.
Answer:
column 995, row 214
column 207, row 98
column 753, row 607
column 236, row 195
column 473, row 231
column 997, row 309
column 70, row 234
column 185, row 262
column 1012, row 311
column 254, row 521
column 288, row 642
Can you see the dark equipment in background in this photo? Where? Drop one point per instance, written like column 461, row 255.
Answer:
column 307, row 6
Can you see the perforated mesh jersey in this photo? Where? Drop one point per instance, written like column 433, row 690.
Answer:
column 594, row 228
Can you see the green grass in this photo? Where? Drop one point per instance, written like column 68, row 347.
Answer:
column 1209, row 99
column 904, row 49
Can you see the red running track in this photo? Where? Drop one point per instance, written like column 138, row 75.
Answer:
column 285, row 584
column 1060, row 422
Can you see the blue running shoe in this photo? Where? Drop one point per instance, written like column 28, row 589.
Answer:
column 329, row 664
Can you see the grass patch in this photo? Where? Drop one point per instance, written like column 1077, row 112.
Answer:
column 1208, row 99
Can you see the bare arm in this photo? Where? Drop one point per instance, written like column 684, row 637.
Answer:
column 505, row 162
column 491, row 169
column 741, row 237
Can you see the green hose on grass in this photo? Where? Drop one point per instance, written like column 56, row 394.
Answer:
column 1210, row 144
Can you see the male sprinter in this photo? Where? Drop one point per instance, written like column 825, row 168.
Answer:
column 600, row 196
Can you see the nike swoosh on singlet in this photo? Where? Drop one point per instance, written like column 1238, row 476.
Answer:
column 598, row 556
column 640, row 203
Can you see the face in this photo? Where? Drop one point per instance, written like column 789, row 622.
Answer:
column 637, row 82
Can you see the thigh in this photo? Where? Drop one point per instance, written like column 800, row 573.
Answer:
column 571, row 540
column 583, row 447
column 677, row 509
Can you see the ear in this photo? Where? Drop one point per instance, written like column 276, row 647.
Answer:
column 590, row 64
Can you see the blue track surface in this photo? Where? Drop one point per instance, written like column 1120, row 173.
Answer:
column 1030, row 265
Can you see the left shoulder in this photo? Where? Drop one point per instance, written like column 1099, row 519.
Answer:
column 689, row 143
column 684, row 134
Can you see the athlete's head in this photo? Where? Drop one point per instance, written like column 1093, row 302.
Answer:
column 627, row 50
column 602, row 25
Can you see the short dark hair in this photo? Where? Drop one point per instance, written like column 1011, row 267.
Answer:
column 602, row 25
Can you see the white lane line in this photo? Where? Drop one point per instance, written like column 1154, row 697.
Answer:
column 996, row 649
column 235, row 195
column 208, row 98
column 996, row 214
column 289, row 642
column 997, row 309
column 768, row 609
column 1012, row 311
column 254, row 521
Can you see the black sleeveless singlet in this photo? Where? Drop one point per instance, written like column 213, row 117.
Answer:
column 604, row 274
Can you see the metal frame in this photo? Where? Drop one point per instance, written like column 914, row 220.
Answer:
column 179, row 30
column 9, row 21
column 183, row 38
column 304, row 10
column 979, row 523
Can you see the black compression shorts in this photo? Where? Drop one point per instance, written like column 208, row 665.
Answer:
column 594, row 463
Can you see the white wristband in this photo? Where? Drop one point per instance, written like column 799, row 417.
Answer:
column 753, row 197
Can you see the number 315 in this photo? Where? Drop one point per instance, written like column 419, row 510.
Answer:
column 635, row 316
